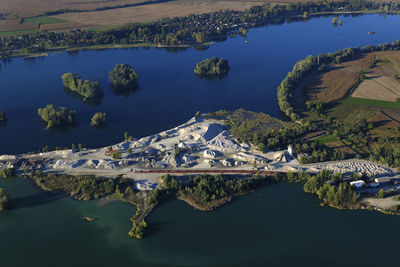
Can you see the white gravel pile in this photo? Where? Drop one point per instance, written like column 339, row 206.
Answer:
column 222, row 142
column 68, row 164
column 107, row 164
column 359, row 167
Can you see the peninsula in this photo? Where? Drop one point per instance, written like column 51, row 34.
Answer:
column 180, row 161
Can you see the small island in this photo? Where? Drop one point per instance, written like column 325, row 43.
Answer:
column 89, row 219
column 3, row 117
column 85, row 88
column 56, row 117
column 98, row 119
column 124, row 78
column 4, row 201
column 212, row 68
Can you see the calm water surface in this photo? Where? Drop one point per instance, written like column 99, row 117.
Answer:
column 170, row 93
column 275, row 226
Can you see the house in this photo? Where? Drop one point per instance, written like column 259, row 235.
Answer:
column 358, row 183
column 383, row 180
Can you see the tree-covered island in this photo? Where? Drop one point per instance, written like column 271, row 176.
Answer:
column 98, row 119
column 85, row 88
column 212, row 68
column 3, row 116
column 124, row 78
column 56, row 117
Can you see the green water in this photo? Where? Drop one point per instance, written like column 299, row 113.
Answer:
column 278, row 225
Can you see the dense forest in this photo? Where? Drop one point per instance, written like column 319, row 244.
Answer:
column 189, row 30
column 56, row 117
column 85, row 88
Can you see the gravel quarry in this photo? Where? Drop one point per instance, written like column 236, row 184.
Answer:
column 199, row 144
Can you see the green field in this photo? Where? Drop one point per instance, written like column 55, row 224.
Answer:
column 327, row 139
column 19, row 32
column 371, row 102
column 42, row 20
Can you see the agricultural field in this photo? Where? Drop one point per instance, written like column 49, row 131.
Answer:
column 28, row 14
column 382, row 81
column 360, row 108
column 372, row 76
column 152, row 12
column 41, row 20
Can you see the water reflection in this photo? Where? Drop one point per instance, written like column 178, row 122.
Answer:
column 92, row 102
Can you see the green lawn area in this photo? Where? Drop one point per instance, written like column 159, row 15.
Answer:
column 327, row 139
column 19, row 32
column 42, row 20
column 371, row 102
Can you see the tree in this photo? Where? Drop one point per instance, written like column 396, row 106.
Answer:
column 56, row 117
column 381, row 193
column 7, row 172
column 87, row 89
column 3, row 117
column 212, row 67
column 4, row 201
column 117, row 155
column 123, row 77
column 98, row 119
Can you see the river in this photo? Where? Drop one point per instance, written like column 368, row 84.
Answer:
column 278, row 225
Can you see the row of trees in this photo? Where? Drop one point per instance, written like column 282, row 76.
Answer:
column 192, row 29
column 289, row 85
column 317, row 153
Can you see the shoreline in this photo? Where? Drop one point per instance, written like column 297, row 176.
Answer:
column 252, row 26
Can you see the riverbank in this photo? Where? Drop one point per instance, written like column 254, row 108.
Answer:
column 255, row 24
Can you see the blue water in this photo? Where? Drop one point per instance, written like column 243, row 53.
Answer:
column 170, row 93
column 278, row 225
